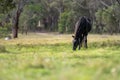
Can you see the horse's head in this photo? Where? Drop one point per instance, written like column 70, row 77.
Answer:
column 75, row 43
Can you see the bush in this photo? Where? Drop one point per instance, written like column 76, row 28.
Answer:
column 62, row 22
column 3, row 32
column 66, row 22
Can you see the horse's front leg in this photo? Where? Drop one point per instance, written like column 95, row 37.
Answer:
column 80, row 42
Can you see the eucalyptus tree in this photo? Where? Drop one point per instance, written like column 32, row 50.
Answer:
column 19, row 5
column 6, row 5
column 107, row 17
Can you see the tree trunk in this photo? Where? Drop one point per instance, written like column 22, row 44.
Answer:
column 15, row 32
column 19, row 8
column 16, row 23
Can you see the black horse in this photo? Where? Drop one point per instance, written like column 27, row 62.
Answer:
column 82, row 27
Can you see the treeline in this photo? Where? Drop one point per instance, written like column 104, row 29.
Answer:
column 61, row 15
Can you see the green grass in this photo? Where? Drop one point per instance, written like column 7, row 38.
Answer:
column 50, row 57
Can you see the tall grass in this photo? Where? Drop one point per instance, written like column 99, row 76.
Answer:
column 50, row 57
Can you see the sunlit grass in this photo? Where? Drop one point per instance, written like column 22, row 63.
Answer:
column 50, row 57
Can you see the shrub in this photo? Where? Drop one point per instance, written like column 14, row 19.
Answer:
column 110, row 18
column 5, row 30
column 66, row 22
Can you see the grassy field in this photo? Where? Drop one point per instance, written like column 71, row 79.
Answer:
column 40, row 56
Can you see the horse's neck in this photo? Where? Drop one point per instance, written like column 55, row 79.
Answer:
column 77, row 25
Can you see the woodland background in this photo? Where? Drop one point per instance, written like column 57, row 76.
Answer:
column 57, row 16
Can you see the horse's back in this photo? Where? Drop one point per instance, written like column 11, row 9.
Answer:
column 82, row 26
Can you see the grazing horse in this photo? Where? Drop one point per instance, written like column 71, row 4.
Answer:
column 82, row 27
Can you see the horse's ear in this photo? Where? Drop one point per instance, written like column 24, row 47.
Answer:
column 73, row 36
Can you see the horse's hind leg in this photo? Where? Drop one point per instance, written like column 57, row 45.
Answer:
column 85, row 45
column 79, row 45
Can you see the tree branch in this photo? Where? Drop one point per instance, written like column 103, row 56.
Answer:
column 102, row 2
column 118, row 2
column 82, row 6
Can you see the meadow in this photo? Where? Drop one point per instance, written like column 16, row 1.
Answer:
column 47, row 56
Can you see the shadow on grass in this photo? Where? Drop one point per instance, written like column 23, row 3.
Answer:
column 103, row 44
column 20, row 48
column 91, row 56
column 41, row 69
column 3, row 49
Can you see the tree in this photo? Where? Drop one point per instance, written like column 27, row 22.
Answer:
column 57, row 15
column 6, row 5
column 110, row 17
column 16, row 15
